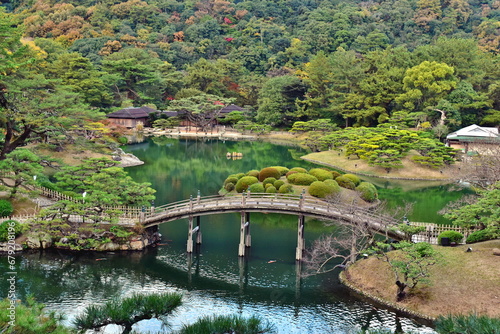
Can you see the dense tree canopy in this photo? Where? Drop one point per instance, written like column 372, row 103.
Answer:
column 355, row 63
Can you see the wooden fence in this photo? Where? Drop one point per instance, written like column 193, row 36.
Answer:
column 432, row 231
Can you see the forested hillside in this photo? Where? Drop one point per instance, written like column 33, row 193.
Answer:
column 426, row 63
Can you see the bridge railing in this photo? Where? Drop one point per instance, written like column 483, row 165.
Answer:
column 292, row 202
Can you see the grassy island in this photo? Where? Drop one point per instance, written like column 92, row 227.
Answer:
column 462, row 283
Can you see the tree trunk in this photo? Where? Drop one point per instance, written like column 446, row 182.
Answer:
column 401, row 290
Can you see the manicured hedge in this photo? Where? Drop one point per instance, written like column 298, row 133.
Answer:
column 321, row 174
column 231, row 179
column 301, row 179
column 245, row 182
column 354, row 178
column 345, row 182
column 333, row 184
column 256, row 188
column 229, row 186
column 320, row 189
column 285, row 189
column 269, row 172
column 278, row 183
column 253, row 172
column 335, row 174
column 6, row 208
column 271, row 189
column 298, row 169
column 269, row 180
column 281, row 169
column 367, row 191
column 454, row 236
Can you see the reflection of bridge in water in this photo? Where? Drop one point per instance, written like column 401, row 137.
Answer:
column 268, row 203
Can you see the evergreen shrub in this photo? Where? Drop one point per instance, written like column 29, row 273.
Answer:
column 269, row 172
column 229, row 186
column 270, row 180
column 278, row 183
column 481, row 235
column 335, row 174
column 298, row 169
column 4, row 229
column 302, row 179
column 291, row 172
column 239, row 175
column 256, row 188
column 245, row 182
column 321, row 174
column 253, row 172
column 281, row 169
column 320, row 189
column 6, row 208
column 333, row 184
column 286, row 189
column 367, row 191
column 271, row 189
column 231, row 179
column 345, row 182
column 354, row 178
column 454, row 236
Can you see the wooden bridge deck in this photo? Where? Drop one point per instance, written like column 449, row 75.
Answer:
column 272, row 203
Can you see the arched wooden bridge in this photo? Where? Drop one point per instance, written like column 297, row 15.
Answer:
column 299, row 205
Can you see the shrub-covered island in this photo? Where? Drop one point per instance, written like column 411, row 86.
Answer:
column 318, row 182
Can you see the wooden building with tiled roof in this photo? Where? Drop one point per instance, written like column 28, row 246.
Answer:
column 474, row 138
column 131, row 116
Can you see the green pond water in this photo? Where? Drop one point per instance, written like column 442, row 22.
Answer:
column 215, row 280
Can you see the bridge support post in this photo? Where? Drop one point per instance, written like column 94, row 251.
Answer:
column 248, row 236
column 198, row 232
column 189, row 247
column 245, row 238
column 300, row 239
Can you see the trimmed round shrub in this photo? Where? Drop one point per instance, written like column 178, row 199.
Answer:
column 291, row 172
column 345, row 182
column 298, row 169
column 269, row 172
column 354, row 178
column 6, row 208
column 256, row 188
column 278, row 183
column 367, row 191
column 285, row 189
column 267, row 185
column 238, row 176
column 253, row 172
column 231, row 179
column 321, row 174
column 333, row 184
column 229, row 186
column 270, row 180
column 320, row 189
column 301, row 179
column 271, row 189
column 245, row 182
column 281, row 169
column 4, row 229
column 454, row 236
column 335, row 174
column 481, row 235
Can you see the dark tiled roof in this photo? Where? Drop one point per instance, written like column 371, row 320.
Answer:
column 170, row 113
column 132, row 113
column 231, row 107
